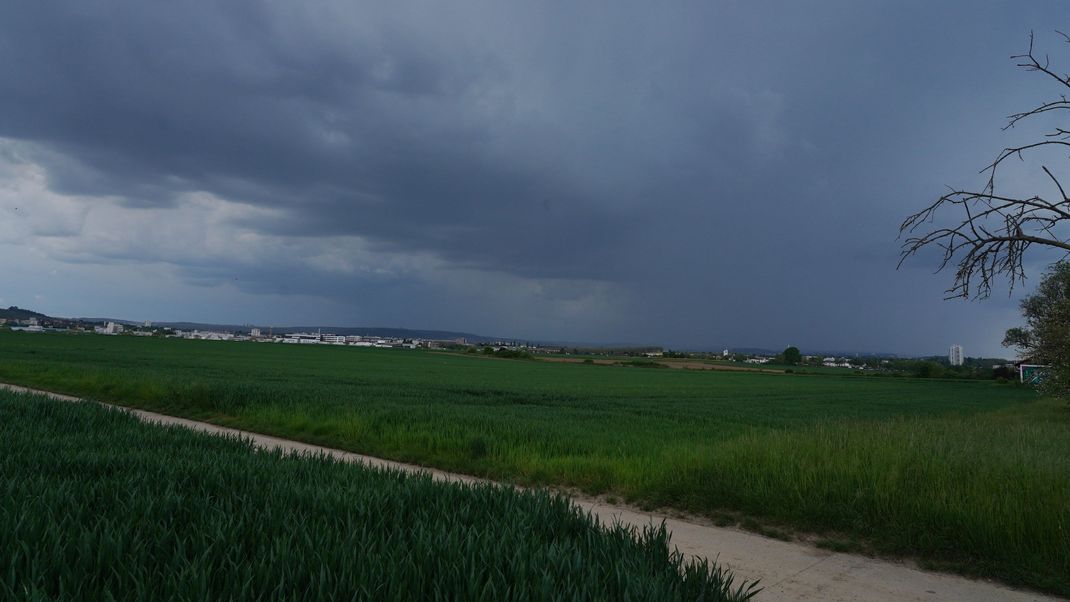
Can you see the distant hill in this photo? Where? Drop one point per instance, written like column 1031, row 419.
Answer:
column 16, row 313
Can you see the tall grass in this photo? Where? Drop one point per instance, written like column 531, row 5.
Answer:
column 985, row 495
column 95, row 505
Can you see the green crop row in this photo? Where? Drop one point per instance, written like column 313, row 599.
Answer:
column 95, row 505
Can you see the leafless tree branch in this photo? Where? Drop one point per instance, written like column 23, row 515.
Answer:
column 989, row 240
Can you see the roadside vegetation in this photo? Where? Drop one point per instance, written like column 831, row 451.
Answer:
column 1046, row 338
column 97, row 505
column 970, row 476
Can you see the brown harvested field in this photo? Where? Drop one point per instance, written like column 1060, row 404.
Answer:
column 671, row 363
column 693, row 365
column 575, row 360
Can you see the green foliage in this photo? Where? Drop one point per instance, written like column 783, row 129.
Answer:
column 964, row 474
column 1046, row 338
column 937, row 367
column 926, row 369
column 96, row 505
column 792, row 356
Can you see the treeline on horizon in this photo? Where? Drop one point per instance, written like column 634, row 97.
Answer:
column 982, row 368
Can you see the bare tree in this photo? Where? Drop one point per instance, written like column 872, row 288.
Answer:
column 993, row 231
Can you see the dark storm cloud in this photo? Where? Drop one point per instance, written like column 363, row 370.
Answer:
column 723, row 158
column 372, row 133
column 378, row 132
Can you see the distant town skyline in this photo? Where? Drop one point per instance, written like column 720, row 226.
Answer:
column 698, row 175
column 115, row 325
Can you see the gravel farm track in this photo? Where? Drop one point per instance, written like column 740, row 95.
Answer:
column 787, row 570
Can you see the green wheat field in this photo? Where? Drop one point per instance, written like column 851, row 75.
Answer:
column 96, row 505
column 968, row 476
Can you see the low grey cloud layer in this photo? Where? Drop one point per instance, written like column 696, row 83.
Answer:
column 711, row 174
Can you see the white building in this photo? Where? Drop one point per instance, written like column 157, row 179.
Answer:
column 255, row 333
column 954, row 355
column 109, row 328
column 302, row 338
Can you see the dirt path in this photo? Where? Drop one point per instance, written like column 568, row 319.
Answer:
column 788, row 570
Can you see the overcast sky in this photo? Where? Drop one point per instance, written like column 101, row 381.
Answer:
column 706, row 175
